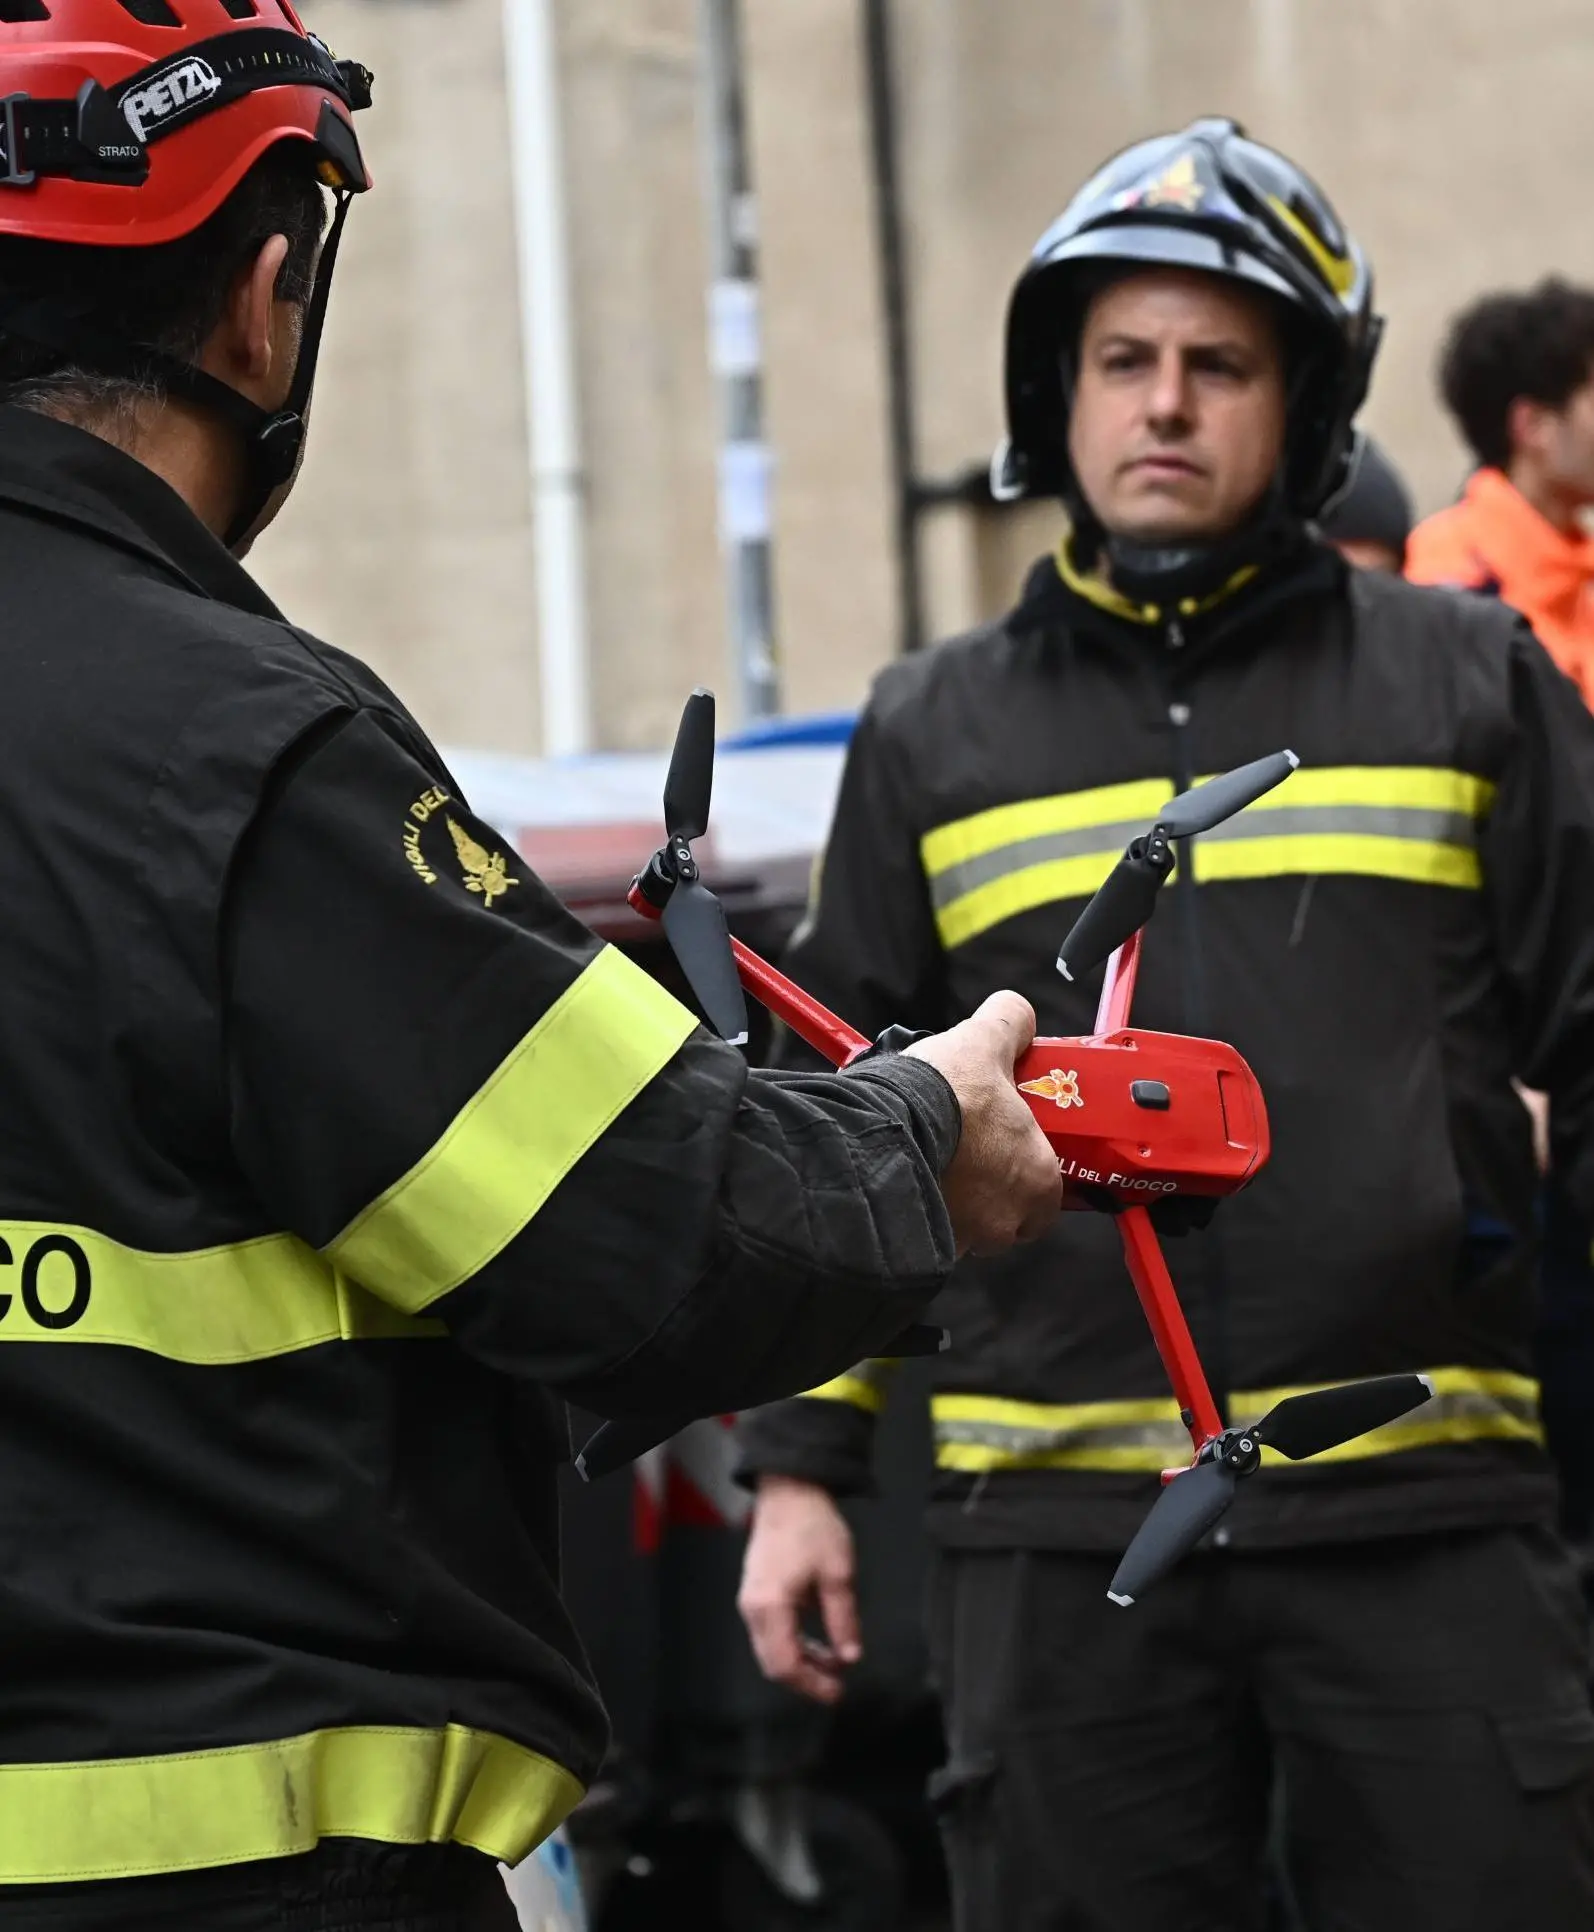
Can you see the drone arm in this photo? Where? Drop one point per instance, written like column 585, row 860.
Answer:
column 824, row 1032
column 1169, row 1329
column 1118, row 988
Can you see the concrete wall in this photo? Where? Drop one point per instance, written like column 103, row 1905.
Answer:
column 1453, row 135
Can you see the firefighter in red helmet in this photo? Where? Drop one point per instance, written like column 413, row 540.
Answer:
column 335, row 1152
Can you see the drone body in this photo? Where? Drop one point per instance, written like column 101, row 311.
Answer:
column 1146, row 1115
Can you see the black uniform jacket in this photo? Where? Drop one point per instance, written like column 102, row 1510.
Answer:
column 1405, row 924
column 329, row 1144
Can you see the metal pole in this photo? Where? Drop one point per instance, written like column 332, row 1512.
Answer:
column 745, row 462
column 879, row 77
column 553, row 431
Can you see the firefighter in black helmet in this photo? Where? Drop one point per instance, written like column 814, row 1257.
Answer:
column 335, row 1152
column 1389, row 1638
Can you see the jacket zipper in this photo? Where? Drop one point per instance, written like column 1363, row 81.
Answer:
column 1215, row 1342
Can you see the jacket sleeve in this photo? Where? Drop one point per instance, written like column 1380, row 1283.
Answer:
column 1538, row 858
column 486, row 1118
column 868, row 948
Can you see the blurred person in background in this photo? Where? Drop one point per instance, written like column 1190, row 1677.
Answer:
column 1371, row 518
column 1517, row 374
column 1390, row 1636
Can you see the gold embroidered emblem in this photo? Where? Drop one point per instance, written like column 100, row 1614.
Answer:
column 1056, row 1085
column 485, row 872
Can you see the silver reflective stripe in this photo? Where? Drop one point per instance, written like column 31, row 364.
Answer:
column 1168, row 1439
column 1367, row 821
column 1087, row 840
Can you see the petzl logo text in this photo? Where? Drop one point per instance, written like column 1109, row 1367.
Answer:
column 150, row 107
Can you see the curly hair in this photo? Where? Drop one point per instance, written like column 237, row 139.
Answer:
column 1539, row 345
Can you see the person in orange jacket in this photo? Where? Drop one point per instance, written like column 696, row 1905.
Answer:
column 1517, row 374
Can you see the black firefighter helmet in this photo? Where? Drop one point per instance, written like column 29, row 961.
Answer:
column 1207, row 198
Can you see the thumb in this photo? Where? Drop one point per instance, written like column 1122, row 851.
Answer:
column 838, row 1604
column 1013, row 1015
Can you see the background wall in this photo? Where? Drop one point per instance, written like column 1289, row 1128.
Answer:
column 1453, row 135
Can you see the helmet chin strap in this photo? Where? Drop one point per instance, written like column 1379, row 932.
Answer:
column 275, row 441
column 1173, row 573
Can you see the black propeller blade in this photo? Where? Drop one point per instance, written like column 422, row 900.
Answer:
column 694, row 920
column 1125, row 900
column 1180, row 1517
column 1128, row 896
column 689, row 783
column 1204, row 806
column 1299, row 1426
column 694, row 924
column 1306, row 1425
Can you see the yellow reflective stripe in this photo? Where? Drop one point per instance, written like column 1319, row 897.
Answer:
column 1413, row 787
column 865, row 1387
column 1419, row 861
column 1036, row 885
column 1413, row 823
column 967, row 838
column 242, row 1302
column 978, row 1433
column 1054, row 1415
column 516, row 1139
column 122, row 1817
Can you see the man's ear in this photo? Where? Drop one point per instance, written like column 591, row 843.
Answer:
column 248, row 337
column 1525, row 422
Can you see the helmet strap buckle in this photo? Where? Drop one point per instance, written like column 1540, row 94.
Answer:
column 275, row 446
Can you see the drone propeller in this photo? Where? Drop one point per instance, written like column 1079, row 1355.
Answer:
column 694, row 920
column 1128, row 896
column 1299, row 1426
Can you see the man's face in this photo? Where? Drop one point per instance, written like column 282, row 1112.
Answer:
column 1567, row 442
column 1178, row 419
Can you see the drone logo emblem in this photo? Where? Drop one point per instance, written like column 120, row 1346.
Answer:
column 1056, row 1085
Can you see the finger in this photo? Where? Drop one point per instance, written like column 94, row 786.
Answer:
column 1014, row 1014
column 817, row 1680
column 772, row 1627
column 838, row 1605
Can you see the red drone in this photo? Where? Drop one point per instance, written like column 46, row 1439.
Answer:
column 1135, row 1118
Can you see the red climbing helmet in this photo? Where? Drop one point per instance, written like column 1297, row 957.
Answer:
column 128, row 122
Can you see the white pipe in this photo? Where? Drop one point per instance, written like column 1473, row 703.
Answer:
column 537, row 172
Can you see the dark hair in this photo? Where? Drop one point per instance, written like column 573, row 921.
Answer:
column 169, row 296
column 1539, row 345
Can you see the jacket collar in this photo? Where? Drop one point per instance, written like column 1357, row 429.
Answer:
column 1057, row 593
column 1519, row 544
column 53, row 469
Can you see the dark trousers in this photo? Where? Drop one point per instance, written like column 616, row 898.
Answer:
column 1409, row 1720
column 344, row 1885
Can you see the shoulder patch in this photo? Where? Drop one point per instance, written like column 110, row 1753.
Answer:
column 483, row 871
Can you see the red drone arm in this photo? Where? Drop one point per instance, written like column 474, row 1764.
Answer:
column 810, row 1021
